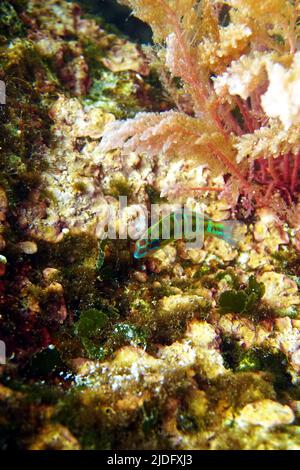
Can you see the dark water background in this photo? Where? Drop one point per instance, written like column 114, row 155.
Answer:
column 119, row 16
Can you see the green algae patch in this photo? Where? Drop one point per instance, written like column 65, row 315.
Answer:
column 91, row 323
column 243, row 301
column 10, row 23
column 233, row 301
column 257, row 359
column 91, row 328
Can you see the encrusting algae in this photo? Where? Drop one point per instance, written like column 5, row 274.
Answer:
column 190, row 347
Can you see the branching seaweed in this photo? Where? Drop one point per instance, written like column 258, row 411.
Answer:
column 238, row 63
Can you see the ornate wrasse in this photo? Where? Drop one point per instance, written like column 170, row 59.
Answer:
column 184, row 225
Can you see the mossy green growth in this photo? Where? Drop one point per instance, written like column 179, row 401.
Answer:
column 24, row 121
column 237, row 390
column 100, row 259
column 154, row 195
column 114, row 261
column 243, row 301
column 292, row 312
column 124, row 333
column 114, row 93
column 150, row 418
column 256, row 359
column 118, row 92
column 287, row 262
column 39, row 392
column 76, row 259
column 186, row 423
column 120, row 186
column 203, row 271
column 83, row 421
column 268, row 361
column 10, row 24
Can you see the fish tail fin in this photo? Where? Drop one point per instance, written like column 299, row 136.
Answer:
column 231, row 231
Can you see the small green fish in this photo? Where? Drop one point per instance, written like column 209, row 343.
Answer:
column 153, row 239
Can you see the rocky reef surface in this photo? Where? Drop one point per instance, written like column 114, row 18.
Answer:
column 190, row 349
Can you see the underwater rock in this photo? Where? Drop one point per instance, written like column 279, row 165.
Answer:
column 55, row 437
column 126, row 56
column 266, row 413
column 189, row 348
column 281, row 293
column 29, row 248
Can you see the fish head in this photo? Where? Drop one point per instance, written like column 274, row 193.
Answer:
column 145, row 246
